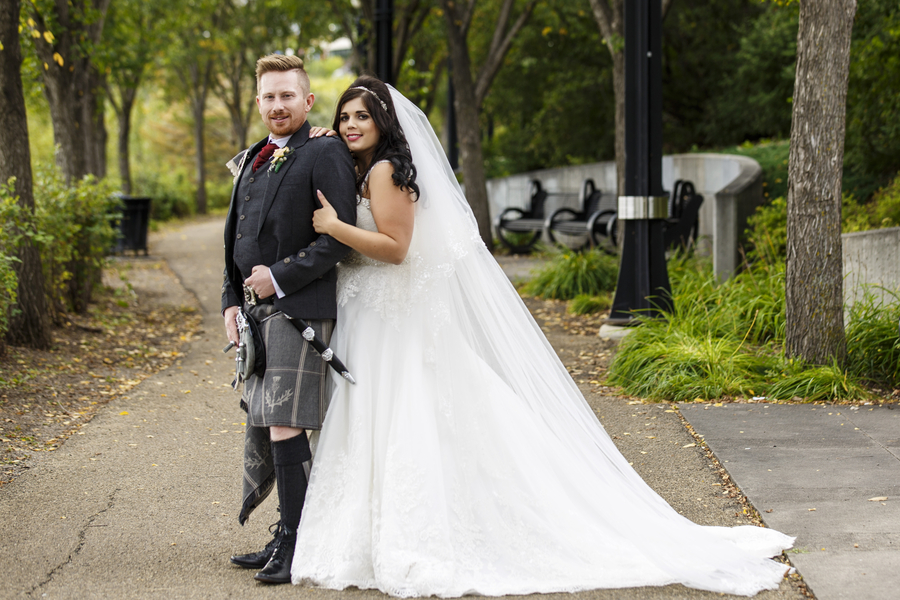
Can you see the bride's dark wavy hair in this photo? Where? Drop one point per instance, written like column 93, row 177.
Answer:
column 392, row 146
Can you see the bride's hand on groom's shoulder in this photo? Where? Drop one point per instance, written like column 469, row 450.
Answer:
column 315, row 132
column 326, row 217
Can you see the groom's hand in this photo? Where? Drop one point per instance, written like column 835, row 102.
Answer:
column 231, row 324
column 260, row 282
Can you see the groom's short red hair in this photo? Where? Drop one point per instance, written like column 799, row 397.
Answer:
column 282, row 62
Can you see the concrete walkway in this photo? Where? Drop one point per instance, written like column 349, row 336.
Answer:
column 143, row 502
column 829, row 475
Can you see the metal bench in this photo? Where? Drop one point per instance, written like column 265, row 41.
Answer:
column 594, row 225
column 684, row 212
column 520, row 229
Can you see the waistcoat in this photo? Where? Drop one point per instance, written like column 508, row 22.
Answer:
column 249, row 201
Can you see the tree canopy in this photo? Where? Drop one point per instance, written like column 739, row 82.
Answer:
column 176, row 78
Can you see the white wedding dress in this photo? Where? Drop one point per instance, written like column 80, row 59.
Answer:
column 465, row 460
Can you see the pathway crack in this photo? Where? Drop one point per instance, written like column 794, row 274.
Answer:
column 82, row 535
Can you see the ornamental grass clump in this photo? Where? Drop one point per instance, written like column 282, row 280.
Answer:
column 815, row 383
column 571, row 273
column 727, row 339
column 585, row 304
column 873, row 345
column 748, row 307
column 674, row 360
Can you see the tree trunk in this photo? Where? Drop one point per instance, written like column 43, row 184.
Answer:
column 619, row 93
column 73, row 87
column 122, row 107
column 199, row 110
column 470, row 92
column 814, row 283
column 468, row 130
column 235, row 68
column 124, row 154
column 65, row 112
column 31, row 326
column 96, row 135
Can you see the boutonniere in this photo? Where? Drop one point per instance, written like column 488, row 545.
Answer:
column 278, row 157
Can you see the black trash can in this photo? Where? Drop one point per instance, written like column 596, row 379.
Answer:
column 134, row 224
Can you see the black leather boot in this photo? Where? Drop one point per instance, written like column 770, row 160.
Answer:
column 278, row 569
column 288, row 456
column 257, row 560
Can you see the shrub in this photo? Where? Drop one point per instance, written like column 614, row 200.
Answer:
column 767, row 227
column 76, row 226
column 767, row 232
column 11, row 231
column 570, row 273
column 171, row 197
column 772, row 156
column 883, row 210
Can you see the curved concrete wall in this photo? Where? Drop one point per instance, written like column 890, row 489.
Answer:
column 870, row 258
column 731, row 187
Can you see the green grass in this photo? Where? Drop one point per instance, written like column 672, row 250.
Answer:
column 660, row 361
column 816, row 383
column 570, row 273
column 727, row 340
column 585, row 304
column 873, row 344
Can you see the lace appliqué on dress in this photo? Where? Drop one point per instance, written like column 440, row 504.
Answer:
column 390, row 289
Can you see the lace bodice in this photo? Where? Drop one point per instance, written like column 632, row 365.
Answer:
column 379, row 285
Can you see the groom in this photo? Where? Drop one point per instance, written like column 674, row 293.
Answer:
column 277, row 265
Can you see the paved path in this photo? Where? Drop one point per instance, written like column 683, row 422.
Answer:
column 143, row 503
column 813, row 472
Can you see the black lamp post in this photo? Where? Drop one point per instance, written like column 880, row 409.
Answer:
column 384, row 31
column 643, row 285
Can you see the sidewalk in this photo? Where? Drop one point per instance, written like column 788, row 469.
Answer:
column 145, row 503
column 829, row 475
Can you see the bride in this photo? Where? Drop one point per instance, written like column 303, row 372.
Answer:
column 466, row 461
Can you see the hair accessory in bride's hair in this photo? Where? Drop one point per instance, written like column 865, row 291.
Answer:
column 380, row 101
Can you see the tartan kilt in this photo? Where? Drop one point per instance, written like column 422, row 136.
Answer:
column 293, row 392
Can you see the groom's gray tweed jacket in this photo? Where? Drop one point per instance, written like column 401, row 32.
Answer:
column 302, row 261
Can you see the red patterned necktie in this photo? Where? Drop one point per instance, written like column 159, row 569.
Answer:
column 264, row 155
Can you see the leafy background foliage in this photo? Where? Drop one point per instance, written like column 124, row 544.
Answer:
column 75, row 230
column 728, row 81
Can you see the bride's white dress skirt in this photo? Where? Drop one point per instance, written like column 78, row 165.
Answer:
column 460, row 464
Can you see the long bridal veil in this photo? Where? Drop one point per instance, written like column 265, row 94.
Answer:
column 487, row 471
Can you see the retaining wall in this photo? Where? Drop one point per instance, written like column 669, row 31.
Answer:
column 871, row 258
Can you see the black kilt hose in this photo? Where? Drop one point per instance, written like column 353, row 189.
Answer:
column 294, row 391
